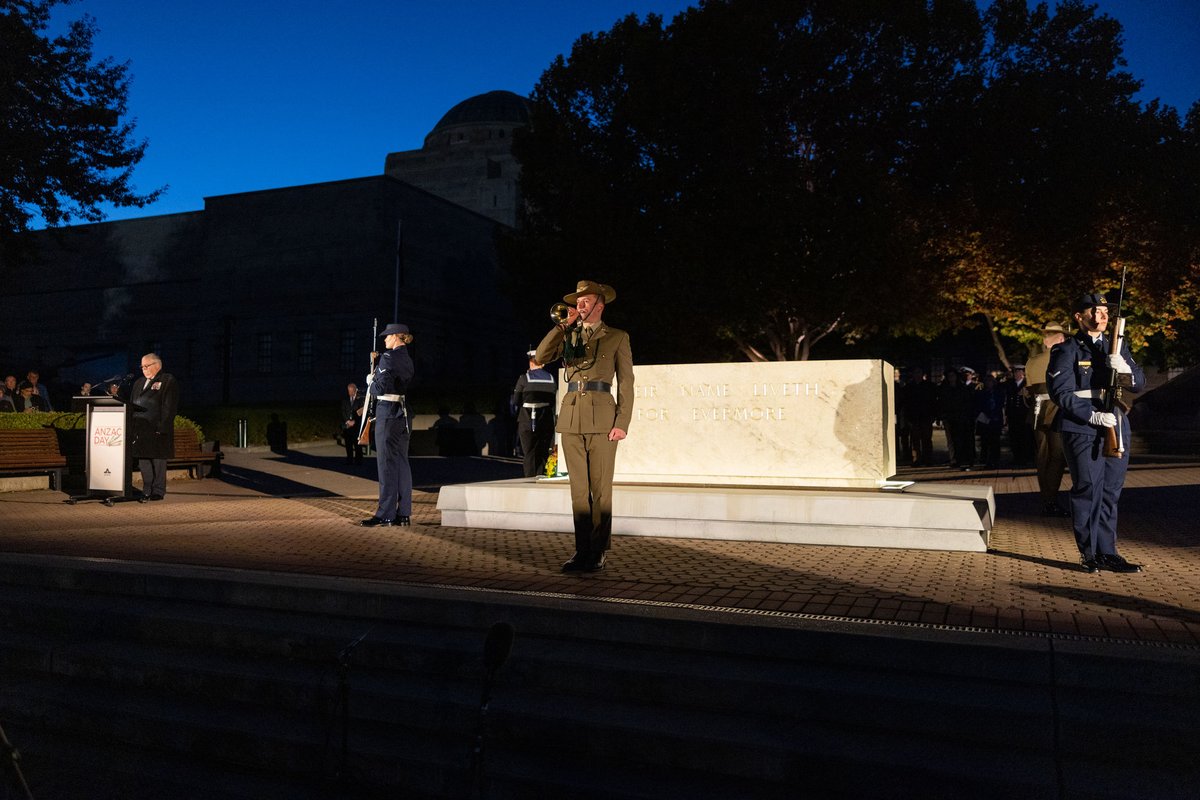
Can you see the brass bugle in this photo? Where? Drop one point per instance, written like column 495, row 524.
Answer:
column 559, row 313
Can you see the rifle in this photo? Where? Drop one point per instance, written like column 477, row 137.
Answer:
column 1114, row 444
column 368, row 416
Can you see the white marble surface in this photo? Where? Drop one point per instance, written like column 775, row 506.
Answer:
column 797, row 423
column 922, row 516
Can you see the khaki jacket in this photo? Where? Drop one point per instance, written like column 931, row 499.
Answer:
column 611, row 361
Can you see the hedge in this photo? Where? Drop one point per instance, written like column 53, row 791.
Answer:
column 69, row 420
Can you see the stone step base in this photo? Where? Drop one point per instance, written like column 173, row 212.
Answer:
column 928, row 516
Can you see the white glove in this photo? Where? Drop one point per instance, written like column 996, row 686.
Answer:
column 1103, row 419
column 1117, row 363
column 370, row 379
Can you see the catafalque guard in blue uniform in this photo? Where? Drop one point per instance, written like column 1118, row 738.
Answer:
column 388, row 385
column 1079, row 374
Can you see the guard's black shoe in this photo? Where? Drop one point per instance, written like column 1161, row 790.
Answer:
column 403, row 522
column 1114, row 563
column 1088, row 564
column 155, row 497
column 1053, row 510
column 596, row 565
column 576, row 564
column 375, row 521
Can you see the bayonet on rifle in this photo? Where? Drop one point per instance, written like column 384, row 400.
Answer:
column 368, row 417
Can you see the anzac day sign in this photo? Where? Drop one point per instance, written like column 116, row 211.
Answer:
column 107, row 440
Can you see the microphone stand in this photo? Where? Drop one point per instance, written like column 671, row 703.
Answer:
column 495, row 652
column 13, row 759
column 343, row 661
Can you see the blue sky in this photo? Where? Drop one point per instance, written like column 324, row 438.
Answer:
column 258, row 94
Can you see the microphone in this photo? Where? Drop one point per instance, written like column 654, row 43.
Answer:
column 497, row 646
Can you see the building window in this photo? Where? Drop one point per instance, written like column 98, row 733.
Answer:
column 264, row 354
column 304, row 350
column 346, row 354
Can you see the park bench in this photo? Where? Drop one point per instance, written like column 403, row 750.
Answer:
column 32, row 451
column 190, row 455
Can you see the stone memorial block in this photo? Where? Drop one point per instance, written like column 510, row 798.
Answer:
column 795, row 423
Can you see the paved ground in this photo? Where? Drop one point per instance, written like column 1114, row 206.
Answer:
column 299, row 514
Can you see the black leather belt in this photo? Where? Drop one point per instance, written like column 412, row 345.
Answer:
column 590, row 386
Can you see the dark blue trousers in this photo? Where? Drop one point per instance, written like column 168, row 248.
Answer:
column 1096, row 487
column 395, row 477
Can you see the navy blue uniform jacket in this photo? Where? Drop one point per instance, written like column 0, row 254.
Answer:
column 1077, row 365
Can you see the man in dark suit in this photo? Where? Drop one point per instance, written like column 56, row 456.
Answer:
column 153, row 426
column 352, row 405
column 387, row 385
column 592, row 422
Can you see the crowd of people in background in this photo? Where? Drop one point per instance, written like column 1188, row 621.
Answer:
column 26, row 395
column 974, row 413
column 30, row 394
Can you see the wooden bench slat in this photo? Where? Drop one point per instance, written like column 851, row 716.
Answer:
column 32, row 450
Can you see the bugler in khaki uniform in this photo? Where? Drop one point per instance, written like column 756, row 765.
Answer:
column 590, row 420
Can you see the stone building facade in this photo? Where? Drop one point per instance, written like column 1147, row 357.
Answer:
column 467, row 157
column 269, row 296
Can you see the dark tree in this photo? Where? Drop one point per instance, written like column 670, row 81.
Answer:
column 1057, row 180
column 766, row 173
column 64, row 148
column 751, row 160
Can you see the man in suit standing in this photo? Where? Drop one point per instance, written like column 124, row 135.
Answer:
column 153, row 426
column 388, row 385
column 590, row 420
column 352, row 410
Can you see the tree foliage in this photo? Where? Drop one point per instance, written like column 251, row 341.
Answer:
column 788, row 170
column 64, row 148
column 1061, row 181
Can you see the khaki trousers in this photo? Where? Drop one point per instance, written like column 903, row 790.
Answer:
column 591, row 459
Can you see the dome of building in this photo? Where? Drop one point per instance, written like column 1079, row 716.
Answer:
column 492, row 108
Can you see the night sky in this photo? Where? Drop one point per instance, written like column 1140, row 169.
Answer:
column 241, row 96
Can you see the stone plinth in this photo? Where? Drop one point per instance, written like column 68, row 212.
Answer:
column 810, row 423
column 796, row 452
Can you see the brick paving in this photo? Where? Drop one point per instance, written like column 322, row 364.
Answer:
column 299, row 515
